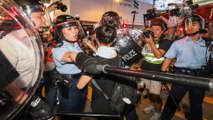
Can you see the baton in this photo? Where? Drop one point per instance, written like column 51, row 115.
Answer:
column 195, row 81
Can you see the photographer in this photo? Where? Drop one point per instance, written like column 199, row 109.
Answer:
column 153, row 51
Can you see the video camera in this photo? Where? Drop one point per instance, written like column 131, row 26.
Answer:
column 57, row 5
column 151, row 13
column 147, row 34
column 61, row 6
column 177, row 12
column 185, row 9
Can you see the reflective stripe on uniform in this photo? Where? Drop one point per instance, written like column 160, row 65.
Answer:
column 153, row 59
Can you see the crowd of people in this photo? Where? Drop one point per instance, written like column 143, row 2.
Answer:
column 66, row 83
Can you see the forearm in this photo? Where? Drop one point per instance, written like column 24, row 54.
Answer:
column 84, row 79
column 157, row 52
column 166, row 64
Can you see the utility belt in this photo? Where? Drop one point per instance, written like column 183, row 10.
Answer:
column 71, row 76
column 194, row 72
column 57, row 76
column 62, row 82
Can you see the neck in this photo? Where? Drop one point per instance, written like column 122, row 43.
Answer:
column 158, row 38
column 106, row 45
column 195, row 38
column 71, row 43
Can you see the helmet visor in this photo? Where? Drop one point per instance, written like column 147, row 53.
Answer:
column 69, row 23
column 38, row 15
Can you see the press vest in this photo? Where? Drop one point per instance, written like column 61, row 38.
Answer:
column 149, row 56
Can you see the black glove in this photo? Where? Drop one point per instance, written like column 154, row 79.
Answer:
column 39, row 110
column 88, row 63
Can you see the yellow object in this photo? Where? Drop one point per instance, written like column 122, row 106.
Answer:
column 43, row 91
column 89, row 94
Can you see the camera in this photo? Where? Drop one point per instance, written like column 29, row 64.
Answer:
column 185, row 9
column 151, row 13
column 147, row 34
column 61, row 6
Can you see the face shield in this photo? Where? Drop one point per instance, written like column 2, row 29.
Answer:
column 176, row 15
column 194, row 24
column 38, row 15
column 21, row 59
column 58, row 29
column 126, row 45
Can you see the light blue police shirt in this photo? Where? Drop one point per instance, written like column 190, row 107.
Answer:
column 64, row 67
column 189, row 54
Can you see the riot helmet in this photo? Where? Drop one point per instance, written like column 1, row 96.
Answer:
column 189, row 21
column 111, row 19
column 65, row 21
column 105, row 34
column 36, row 11
column 21, row 54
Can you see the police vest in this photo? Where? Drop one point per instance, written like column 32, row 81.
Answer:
column 149, row 56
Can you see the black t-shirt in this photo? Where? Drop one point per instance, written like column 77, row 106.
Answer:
column 164, row 44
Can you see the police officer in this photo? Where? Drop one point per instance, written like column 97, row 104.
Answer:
column 36, row 11
column 21, row 52
column 68, row 31
column 191, row 56
column 37, row 14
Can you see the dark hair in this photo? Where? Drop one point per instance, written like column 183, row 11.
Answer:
column 105, row 34
column 159, row 22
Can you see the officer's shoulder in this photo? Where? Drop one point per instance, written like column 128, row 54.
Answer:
column 181, row 40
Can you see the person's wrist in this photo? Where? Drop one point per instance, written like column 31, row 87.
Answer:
column 163, row 71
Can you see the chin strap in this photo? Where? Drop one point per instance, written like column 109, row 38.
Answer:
column 192, row 34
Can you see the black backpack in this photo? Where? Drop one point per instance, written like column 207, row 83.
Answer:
column 124, row 95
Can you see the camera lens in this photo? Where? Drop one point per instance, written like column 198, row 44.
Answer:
column 174, row 12
column 148, row 33
column 63, row 8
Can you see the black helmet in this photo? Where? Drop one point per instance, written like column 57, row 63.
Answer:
column 111, row 19
column 105, row 34
column 27, row 2
column 64, row 21
column 29, row 6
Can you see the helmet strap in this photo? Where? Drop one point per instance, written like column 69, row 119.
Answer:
column 194, row 33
